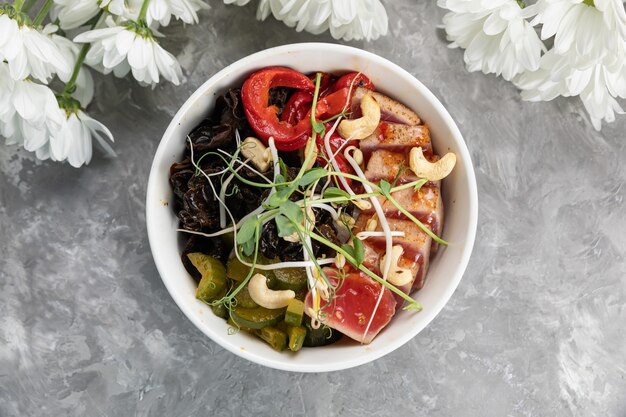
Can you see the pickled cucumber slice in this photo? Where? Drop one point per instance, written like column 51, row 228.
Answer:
column 244, row 300
column 212, row 286
column 238, row 326
column 296, row 334
column 274, row 337
column 257, row 318
column 237, row 271
column 294, row 313
column 290, row 279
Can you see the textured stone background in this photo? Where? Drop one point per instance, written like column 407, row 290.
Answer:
column 536, row 328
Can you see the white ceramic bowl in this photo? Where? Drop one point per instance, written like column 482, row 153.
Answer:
column 459, row 194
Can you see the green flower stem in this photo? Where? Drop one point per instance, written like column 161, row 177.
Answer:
column 28, row 4
column 71, row 84
column 412, row 303
column 144, row 10
column 43, row 12
column 17, row 5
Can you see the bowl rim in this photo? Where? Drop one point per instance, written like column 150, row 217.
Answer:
column 242, row 65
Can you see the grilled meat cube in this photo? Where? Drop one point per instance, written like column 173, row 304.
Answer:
column 390, row 110
column 396, row 137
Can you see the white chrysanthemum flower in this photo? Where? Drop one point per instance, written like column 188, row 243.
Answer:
column 582, row 31
column 496, row 37
column 74, row 13
column 598, row 85
column 30, row 116
column 588, row 58
column 28, row 52
column 121, row 7
column 614, row 15
column 73, row 141
column 358, row 20
column 131, row 47
column 346, row 19
column 28, row 111
column 186, row 10
column 597, row 97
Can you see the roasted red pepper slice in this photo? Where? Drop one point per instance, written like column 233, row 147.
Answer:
column 333, row 104
column 360, row 80
column 326, row 82
column 263, row 118
column 297, row 108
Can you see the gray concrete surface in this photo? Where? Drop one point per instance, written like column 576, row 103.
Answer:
column 536, row 328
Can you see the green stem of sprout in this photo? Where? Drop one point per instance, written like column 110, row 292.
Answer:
column 318, row 81
column 43, row 12
column 228, row 299
column 413, row 184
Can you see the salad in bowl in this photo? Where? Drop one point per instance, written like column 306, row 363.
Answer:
column 307, row 207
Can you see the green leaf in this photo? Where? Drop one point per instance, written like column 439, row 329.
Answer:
column 248, row 247
column 311, row 176
column 334, row 192
column 292, row 211
column 359, row 250
column 285, row 226
column 279, row 197
column 247, row 230
column 319, row 128
column 348, row 249
column 385, row 187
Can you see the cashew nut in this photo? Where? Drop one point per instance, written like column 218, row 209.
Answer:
column 254, row 150
column 310, row 143
column 364, row 126
column 433, row 171
column 263, row 296
column 397, row 276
